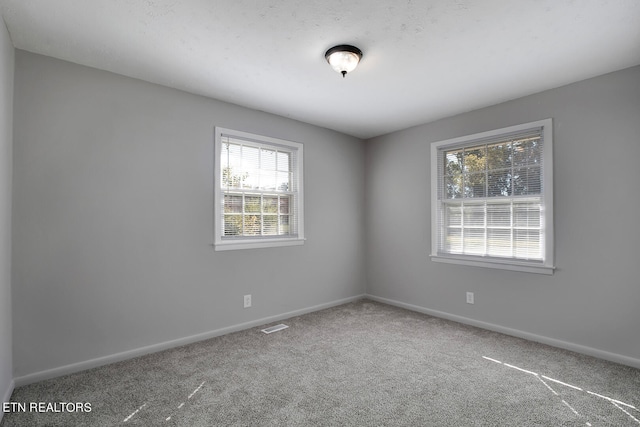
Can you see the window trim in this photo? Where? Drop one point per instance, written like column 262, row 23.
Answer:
column 546, row 266
column 221, row 244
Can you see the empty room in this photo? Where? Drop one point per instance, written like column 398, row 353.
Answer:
column 250, row 213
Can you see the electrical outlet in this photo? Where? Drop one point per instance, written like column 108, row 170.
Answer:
column 470, row 298
column 247, row 301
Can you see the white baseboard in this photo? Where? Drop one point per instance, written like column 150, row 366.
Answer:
column 105, row 360
column 7, row 396
column 589, row 351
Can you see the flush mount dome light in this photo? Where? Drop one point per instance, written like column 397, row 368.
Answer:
column 343, row 58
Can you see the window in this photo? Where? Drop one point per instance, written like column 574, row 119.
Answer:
column 492, row 199
column 258, row 191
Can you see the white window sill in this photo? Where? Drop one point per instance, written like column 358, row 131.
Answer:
column 496, row 263
column 256, row 244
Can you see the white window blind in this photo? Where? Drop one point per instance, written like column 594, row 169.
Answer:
column 258, row 191
column 492, row 198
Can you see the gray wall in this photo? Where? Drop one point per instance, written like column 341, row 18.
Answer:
column 6, row 141
column 113, row 220
column 592, row 299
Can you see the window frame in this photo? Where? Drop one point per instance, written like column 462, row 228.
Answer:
column 225, row 243
column 544, row 266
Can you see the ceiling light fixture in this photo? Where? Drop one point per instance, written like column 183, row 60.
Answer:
column 343, row 58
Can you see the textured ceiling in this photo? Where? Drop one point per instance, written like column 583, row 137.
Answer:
column 423, row 59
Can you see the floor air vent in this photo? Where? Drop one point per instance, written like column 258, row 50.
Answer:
column 275, row 328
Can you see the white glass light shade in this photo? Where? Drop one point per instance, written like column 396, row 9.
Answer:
column 344, row 61
column 343, row 58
